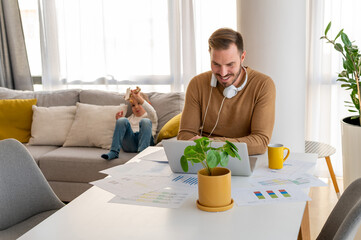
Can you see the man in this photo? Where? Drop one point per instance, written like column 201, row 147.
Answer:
column 231, row 102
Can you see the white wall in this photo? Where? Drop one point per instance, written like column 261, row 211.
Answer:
column 274, row 34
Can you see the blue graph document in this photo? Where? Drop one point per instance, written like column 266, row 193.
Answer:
column 184, row 180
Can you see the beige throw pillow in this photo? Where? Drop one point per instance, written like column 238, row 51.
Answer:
column 93, row 125
column 51, row 125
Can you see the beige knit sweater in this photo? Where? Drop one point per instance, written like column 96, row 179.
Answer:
column 248, row 117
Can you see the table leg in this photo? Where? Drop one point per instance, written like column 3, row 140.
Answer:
column 333, row 177
column 305, row 232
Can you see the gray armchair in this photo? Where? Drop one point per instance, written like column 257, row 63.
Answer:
column 25, row 196
column 345, row 218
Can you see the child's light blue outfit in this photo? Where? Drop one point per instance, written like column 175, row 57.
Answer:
column 134, row 134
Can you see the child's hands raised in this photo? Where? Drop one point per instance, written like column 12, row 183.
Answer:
column 135, row 96
column 118, row 115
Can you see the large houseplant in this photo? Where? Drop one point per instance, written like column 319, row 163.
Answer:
column 350, row 126
column 214, row 183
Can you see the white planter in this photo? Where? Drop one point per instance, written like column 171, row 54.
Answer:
column 351, row 150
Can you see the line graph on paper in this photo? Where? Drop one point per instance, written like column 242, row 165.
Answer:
column 280, row 181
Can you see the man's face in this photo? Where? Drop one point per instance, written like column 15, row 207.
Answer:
column 226, row 65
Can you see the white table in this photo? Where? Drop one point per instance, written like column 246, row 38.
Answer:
column 90, row 216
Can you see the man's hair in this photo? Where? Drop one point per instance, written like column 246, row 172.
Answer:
column 223, row 37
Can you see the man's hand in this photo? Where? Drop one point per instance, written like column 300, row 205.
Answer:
column 195, row 138
column 118, row 115
column 198, row 137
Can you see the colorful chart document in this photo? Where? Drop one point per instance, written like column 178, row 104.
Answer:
column 255, row 196
column 302, row 181
column 162, row 191
column 129, row 186
column 291, row 169
column 165, row 198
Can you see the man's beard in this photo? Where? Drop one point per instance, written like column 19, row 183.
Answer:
column 235, row 79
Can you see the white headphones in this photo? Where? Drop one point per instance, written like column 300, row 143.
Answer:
column 230, row 91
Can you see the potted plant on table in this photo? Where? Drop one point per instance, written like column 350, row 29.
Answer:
column 350, row 126
column 214, row 183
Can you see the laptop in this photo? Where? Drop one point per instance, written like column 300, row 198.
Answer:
column 174, row 150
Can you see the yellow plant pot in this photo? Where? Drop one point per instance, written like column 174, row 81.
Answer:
column 214, row 192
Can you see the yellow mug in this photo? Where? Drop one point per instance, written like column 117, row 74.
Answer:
column 275, row 156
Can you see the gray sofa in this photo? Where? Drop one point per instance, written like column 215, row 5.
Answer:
column 70, row 169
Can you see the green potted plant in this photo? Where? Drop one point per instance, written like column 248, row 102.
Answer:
column 350, row 126
column 214, row 183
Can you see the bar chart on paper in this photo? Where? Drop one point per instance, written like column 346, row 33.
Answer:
column 254, row 196
column 185, row 180
column 166, row 198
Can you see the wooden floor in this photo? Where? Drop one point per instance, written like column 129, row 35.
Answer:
column 323, row 201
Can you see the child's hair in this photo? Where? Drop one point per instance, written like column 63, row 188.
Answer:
column 145, row 97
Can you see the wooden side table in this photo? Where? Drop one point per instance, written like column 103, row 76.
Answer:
column 324, row 151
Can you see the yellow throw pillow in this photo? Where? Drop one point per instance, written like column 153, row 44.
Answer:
column 170, row 129
column 15, row 118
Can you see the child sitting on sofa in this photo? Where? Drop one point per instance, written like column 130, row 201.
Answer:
column 135, row 133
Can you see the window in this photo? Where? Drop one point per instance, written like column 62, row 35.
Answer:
column 30, row 20
column 105, row 44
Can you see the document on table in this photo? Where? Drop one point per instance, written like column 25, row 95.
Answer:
column 165, row 198
column 290, row 169
column 131, row 185
column 158, row 156
column 145, row 168
column 267, row 195
column 301, row 181
column 165, row 191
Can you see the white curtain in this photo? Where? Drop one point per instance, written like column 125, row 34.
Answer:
column 106, row 43
column 325, row 97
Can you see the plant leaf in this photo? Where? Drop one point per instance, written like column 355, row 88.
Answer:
column 339, row 33
column 345, row 39
column 213, row 158
column 338, row 47
column 327, row 28
column 184, row 163
column 232, row 145
column 230, row 152
column 224, row 158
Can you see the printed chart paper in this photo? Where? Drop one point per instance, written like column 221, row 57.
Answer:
column 165, row 198
column 164, row 191
column 158, row 155
column 146, row 168
column 256, row 196
column 302, row 181
column 128, row 186
column 291, row 169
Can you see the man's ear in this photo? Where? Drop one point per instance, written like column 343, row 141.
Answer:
column 243, row 56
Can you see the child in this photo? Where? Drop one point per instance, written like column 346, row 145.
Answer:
column 135, row 133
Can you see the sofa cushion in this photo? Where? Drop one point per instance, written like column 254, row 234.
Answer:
column 93, row 126
column 6, row 93
column 51, row 125
column 78, row 164
column 167, row 105
column 38, row 151
column 15, row 118
column 99, row 97
column 170, row 129
column 67, row 97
